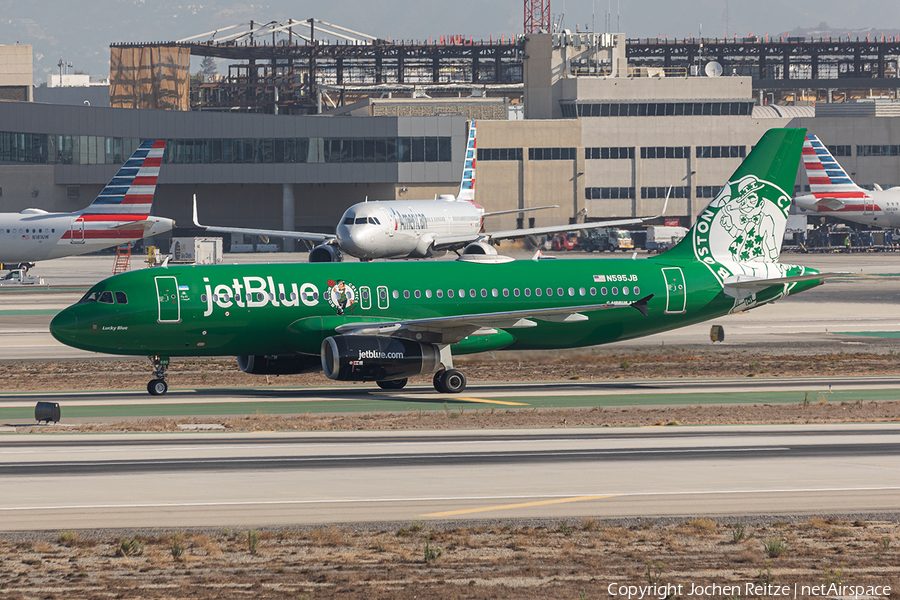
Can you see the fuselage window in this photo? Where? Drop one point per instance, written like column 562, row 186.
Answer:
column 440, row 293
column 106, row 298
column 603, row 291
column 121, row 298
column 396, row 294
column 418, row 294
column 559, row 291
column 625, row 290
column 615, row 291
column 271, row 297
column 281, row 297
column 472, row 293
column 549, row 291
column 449, row 293
column 249, row 297
column 593, row 291
column 581, row 291
column 293, row 296
column 637, row 290
column 89, row 297
column 537, row 292
column 382, row 294
column 572, row 291
column 516, row 292
column 203, row 297
column 428, row 293
column 484, row 293
column 406, row 294
column 462, row 293
column 505, row 293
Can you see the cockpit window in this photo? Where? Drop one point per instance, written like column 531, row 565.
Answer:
column 121, row 298
column 361, row 220
column 348, row 221
column 374, row 221
column 105, row 298
column 89, row 297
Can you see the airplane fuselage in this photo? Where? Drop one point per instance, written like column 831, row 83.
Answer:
column 404, row 229
column 35, row 235
column 875, row 209
column 289, row 309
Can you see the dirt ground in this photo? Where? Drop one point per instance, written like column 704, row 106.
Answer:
column 583, row 558
column 599, row 364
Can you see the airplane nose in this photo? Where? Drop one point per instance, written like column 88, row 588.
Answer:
column 63, row 326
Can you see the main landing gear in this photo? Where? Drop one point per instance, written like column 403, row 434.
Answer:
column 449, row 381
column 158, row 386
column 392, row 384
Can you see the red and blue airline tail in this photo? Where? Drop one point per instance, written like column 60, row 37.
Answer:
column 467, row 186
column 129, row 195
column 826, row 177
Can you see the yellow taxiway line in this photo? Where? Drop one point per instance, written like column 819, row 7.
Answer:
column 467, row 511
column 482, row 401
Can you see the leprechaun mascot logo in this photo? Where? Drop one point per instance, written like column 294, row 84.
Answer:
column 341, row 295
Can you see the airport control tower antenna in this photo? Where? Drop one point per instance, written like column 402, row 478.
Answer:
column 537, row 16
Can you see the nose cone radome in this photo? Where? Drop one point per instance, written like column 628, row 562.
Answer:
column 63, row 327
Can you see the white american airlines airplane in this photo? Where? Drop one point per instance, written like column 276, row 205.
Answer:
column 119, row 214
column 416, row 228
column 833, row 193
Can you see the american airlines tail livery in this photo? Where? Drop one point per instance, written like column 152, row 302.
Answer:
column 833, row 193
column 121, row 213
column 419, row 228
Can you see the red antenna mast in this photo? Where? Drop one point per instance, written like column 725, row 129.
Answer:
column 537, row 16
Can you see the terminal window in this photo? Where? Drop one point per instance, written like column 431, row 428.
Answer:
column 551, row 154
column 499, row 154
column 657, row 109
column 666, row 152
column 612, row 153
column 708, row 191
column 840, row 150
column 721, row 151
column 660, row 192
column 609, row 193
column 878, row 151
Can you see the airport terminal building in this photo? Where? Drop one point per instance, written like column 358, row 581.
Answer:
column 598, row 138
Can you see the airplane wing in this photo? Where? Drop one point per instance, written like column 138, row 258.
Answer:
column 449, row 242
column 293, row 235
column 449, row 330
column 518, row 210
column 742, row 287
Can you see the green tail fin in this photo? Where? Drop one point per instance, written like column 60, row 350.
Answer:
column 746, row 221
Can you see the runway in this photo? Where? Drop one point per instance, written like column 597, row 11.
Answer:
column 256, row 480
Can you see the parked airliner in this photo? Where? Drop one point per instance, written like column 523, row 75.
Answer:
column 121, row 213
column 418, row 228
column 833, row 193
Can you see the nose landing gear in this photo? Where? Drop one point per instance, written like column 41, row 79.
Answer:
column 158, row 386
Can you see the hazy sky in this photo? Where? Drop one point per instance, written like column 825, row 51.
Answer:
column 81, row 32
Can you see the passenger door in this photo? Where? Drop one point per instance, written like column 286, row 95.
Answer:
column 167, row 299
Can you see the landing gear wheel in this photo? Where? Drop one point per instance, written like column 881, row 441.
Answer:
column 157, row 387
column 452, row 382
column 392, row 384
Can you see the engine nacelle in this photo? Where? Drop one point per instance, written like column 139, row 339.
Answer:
column 480, row 248
column 290, row 364
column 362, row 358
column 324, row 253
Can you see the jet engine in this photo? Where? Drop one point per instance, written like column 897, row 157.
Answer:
column 480, row 248
column 363, row 358
column 324, row 253
column 290, row 364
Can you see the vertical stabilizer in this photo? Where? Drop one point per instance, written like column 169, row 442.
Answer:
column 467, row 186
column 742, row 229
column 129, row 195
column 827, row 179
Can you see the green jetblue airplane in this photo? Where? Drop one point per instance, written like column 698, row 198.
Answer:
column 388, row 321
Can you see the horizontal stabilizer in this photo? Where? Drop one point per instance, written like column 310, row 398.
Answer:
column 831, row 203
column 742, row 286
